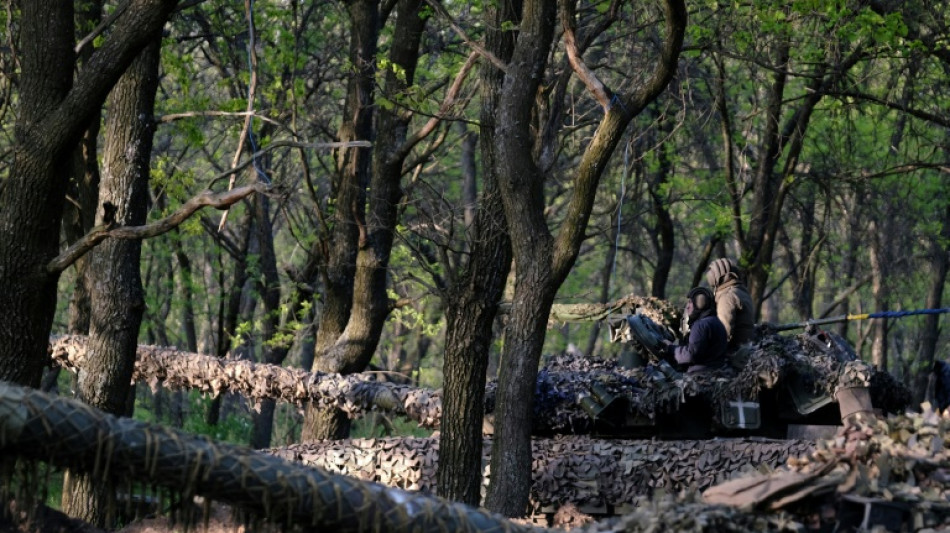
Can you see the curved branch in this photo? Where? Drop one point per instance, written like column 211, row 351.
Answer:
column 450, row 97
column 600, row 92
column 440, row 9
column 675, row 11
column 98, row 234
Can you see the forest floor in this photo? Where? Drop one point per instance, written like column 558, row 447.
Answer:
column 219, row 520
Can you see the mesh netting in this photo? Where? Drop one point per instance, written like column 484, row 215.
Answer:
column 68, row 433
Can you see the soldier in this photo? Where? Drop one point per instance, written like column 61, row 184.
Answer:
column 733, row 302
column 705, row 347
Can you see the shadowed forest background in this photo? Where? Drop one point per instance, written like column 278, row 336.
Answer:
column 408, row 187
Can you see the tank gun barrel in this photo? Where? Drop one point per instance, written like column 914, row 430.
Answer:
column 861, row 316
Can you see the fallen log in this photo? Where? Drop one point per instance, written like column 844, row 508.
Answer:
column 70, row 434
column 354, row 394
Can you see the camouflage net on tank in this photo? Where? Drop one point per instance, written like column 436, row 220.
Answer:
column 876, row 474
column 596, row 476
column 648, row 391
column 69, row 434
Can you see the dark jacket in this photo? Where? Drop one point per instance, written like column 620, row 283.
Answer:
column 706, row 347
column 733, row 303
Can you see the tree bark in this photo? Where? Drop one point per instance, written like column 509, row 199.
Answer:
column 80, row 215
column 665, row 242
column 879, row 291
column 117, row 300
column 353, row 168
column 471, row 304
column 268, row 287
column 52, row 117
column 939, row 266
column 542, row 261
column 352, row 350
column 229, row 309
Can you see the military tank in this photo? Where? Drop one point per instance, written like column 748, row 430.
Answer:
column 799, row 386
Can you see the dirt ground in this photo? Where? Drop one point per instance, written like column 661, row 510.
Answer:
column 219, row 520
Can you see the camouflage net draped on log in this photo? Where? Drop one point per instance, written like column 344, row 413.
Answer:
column 353, row 394
column 68, row 433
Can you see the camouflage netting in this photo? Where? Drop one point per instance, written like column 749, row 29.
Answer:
column 354, row 394
column 772, row 361
column 877, row 474
column 69, row 434
column 562, row 383
column 660, row 311
column 595, row 475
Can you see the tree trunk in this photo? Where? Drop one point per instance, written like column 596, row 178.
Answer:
column 51, row 120
column 269, row 288
column 354, row 347
column 229, row 310
column 520, row 183
column 879, row 293
column 186, row 287
column 607, row 273
column 353, row 169
column 542, row 262
column 117, row 300
column 939, row 266
column 471, row 305
column 665, row 242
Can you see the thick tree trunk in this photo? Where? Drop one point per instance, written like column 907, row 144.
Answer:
column 31, row 201
column 471, row 305
column 521, row 186
column 353, row 170
column 354, row 347
column 542, row 261
column 117, row 300
column 50, row 123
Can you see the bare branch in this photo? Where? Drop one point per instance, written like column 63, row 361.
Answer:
column 171, row 117
column 450, row 97
column 251, row 91
column 600, row 92
column 897, row 106
column 676, row 15
column 440, row 10
column 98, row 30
column 99, row 233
